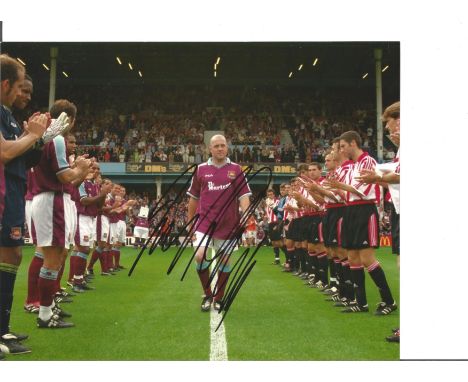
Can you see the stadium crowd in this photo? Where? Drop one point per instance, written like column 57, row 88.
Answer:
column 170, row 125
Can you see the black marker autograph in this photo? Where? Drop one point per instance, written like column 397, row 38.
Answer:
column 240, row 271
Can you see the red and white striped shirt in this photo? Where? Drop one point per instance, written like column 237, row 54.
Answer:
column 397, row 159
column 315, row 202
column 370, row 191
column 270, row 205
column 339, row 174
column 290, row 215
column 343, row 170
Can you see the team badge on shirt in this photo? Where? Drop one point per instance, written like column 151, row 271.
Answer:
column 86, row 238
column 231, row 174
column 16, row 233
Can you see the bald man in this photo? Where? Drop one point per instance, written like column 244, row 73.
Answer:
column 217, row 190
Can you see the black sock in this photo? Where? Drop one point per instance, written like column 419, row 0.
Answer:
column 380, row 280
column 348, row 284
column 293, row 259
column 332, row 266
column 289, row 257
column 276, row 251
column 310, row 265
column 7, row 284
column 285, row 251
column 303, row 252
column 323, row 268
column 340, row 279
column 316, row 266
column 358, row 278
column 297, row 255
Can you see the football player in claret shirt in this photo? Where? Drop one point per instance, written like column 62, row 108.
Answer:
column 14, row 144
column 91, row 199
column 120, row 233
column 114, row 201
column 141, row 229
column 217, row 190
column 102, row 228
column 53, row 217
column 360, row 228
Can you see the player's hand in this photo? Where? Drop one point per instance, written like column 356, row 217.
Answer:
column 84, row 156
column 36, row 114
column 49, row 119
column 368, row 176
column 331, row 183
column 296, row 195
column 83, row 164
column 36, row 125
column 311, row 186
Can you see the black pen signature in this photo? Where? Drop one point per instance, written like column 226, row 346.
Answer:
column 157, row 228
column 239, row 271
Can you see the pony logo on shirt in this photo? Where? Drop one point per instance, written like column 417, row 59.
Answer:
column 15, row 233
column 231, row 174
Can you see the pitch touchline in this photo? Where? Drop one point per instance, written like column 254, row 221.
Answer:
column 218, row 344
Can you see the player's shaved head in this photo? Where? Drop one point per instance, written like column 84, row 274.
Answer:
column 217, row 137
column 218, row 149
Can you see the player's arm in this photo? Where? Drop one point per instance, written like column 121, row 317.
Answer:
column 79, row 172
column 334, row 184
column 318, row 189
column 317, row 197
column 90, row 200
column 106, row 209
column 124, row 207
column 370, row 176
column 116, row 207
column 129, row 203
column 289, row 207
column 193, row 193
column 191, row 209
column 244, row 203
column 303, row 201
column 100, row 199
column 12, row 149
column 76, row 182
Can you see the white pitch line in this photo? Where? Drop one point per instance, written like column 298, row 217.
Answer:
column 218, row 344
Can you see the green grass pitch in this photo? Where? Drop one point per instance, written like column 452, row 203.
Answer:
column 155, row 316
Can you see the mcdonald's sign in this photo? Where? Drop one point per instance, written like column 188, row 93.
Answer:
column 385, row 241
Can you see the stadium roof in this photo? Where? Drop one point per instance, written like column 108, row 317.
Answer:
column 341, row 64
